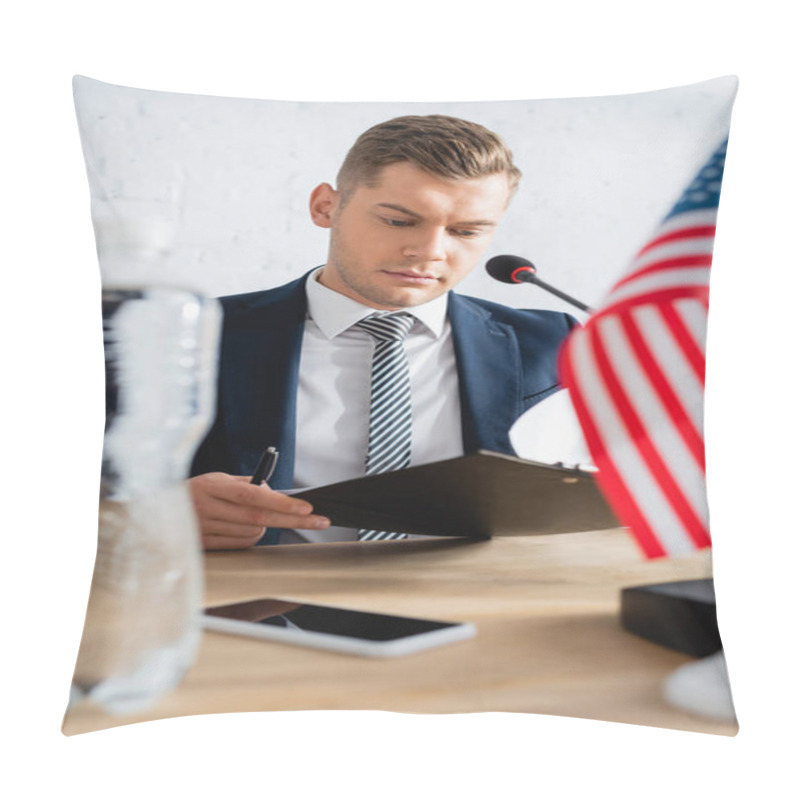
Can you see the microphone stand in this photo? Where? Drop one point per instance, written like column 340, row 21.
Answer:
column 529, row 277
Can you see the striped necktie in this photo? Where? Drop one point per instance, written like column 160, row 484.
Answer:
column 389, row 445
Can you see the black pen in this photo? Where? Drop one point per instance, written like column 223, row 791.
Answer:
column 266, row 466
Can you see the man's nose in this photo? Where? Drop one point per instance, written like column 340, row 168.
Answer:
column 427, row 245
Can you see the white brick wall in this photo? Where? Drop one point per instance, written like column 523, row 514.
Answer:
column 231, row 178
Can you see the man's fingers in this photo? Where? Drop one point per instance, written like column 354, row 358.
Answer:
column 213, row 542
column 244, row 517
column 222, row 534
column 224, row 527
column 233, row 513
column 237, row 489
column 214, row 513
column 263, row 497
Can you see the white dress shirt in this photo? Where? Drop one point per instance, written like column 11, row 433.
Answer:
column 333, row 395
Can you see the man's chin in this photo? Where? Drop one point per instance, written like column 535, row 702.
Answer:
column 405, row 298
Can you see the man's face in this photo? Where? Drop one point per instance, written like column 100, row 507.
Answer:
column 411, row 237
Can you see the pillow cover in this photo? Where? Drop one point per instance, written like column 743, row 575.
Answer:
column 210, row 194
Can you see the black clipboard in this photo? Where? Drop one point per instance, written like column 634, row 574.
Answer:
column 480, row 495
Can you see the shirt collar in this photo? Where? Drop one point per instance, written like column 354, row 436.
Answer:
column 334, row 313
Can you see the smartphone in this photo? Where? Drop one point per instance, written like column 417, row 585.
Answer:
column 343, row 630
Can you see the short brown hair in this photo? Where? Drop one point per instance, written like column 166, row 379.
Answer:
column 448, row 147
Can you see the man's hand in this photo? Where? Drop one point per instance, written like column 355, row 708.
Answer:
column 232, row 512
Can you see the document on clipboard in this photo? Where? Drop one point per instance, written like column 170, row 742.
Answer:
column 479, row 495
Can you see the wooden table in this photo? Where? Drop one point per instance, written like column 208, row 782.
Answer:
column 545, row 607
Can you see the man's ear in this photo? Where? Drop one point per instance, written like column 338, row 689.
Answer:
column 324, row 200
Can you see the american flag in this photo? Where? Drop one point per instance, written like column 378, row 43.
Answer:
column 636, row 376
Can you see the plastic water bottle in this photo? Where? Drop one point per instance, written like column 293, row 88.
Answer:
column 142, row 624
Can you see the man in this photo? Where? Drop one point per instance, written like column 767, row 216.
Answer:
column 417, row 202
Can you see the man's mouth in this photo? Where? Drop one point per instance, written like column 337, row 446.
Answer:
column 411, row 276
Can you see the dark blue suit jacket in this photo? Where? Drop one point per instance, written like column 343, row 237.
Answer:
column 505, row 357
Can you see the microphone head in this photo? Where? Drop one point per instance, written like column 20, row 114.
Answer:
column 508, row 268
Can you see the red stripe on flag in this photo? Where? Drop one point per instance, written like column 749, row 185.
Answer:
column 681, row 233
column 656, row 297
column 614, row 487
column 662, row 387
column 659, row 470
column 694, row 355
column 694, row 260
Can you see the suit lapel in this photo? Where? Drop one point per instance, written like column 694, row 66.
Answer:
column 489, row 372
column 262, row 342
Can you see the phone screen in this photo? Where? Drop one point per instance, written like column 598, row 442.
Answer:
column 325, row 619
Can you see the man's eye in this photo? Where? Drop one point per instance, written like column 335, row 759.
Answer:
column 397, row 223
column 466, row 234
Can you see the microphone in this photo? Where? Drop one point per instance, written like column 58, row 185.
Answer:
column 514, row 269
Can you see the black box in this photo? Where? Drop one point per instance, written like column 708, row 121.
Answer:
column 680, row 615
